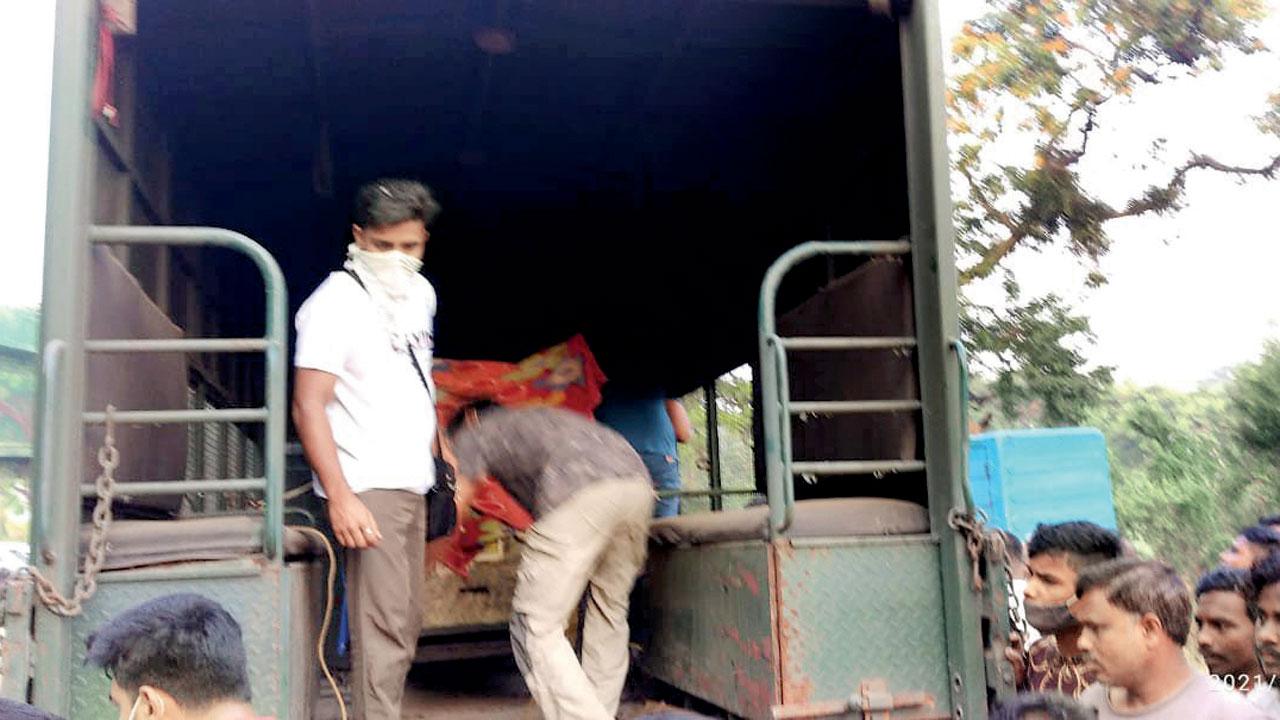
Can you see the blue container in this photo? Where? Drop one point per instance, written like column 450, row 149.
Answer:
column 1021, row 478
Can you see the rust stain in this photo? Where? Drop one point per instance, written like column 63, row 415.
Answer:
column 749, row 579
column 756, row 694
column 754, row 649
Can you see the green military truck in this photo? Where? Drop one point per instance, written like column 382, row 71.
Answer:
column 692, row 185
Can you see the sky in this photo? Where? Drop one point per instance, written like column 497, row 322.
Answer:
column 1189, row 296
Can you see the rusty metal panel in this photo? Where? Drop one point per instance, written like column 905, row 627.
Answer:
column 857, row 610
column 260, row 602
column 16, row 644
column 710, row 614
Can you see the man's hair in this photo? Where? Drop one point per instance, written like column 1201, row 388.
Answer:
column 1269, row 520
column 1263, row 573
column 1013, row 544
column 184, row 644
column 1141, row 587
column 391, row 201
column 1224, row 579
column 1084, row 543
column 1262, row 535
column 1050, row 705
column 14, row 710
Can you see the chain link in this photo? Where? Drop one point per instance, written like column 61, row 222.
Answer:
column 87, row 583
column 979, row 540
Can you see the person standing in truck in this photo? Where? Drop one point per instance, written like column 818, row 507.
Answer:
column 365, row 415
column 653, row 424
column 591, row 502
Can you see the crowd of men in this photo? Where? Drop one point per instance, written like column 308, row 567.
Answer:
column 1113, row 630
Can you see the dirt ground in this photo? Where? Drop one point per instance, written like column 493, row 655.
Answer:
column 488, row 689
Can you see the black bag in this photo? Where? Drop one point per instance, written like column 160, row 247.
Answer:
column 442, row 512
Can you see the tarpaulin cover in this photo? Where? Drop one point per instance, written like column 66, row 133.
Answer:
column 565, row 375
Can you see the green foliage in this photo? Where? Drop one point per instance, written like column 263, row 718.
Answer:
column 1031, row 351
column 1255, row 395
column 1184, row 484
column 737, row 464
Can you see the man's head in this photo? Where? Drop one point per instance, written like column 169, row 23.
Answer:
column 1017, row 551
column 1224, row 625
column 1133, row 614
column 172, row 657
column 1250, row 546
column 1271, row 521
column 1042, row 706
column 1264, row 586
column 1055, row 556
column 392, row 215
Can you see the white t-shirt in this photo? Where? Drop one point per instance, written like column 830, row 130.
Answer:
column 382, row 417
column 1266, row 698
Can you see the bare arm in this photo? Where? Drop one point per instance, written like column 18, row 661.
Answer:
column 680, row 421
column 353, row 524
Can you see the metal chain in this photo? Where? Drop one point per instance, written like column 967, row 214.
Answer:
column 87, row 583
column 972, row 529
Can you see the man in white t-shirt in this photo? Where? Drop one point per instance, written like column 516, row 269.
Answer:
column 366, row 420
column 1135, row 616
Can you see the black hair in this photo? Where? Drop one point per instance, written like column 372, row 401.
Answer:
column 185, row 644
column 473, row 409
column 1263, row 573
column 1084, row 543
column 1140, row 587
column 1224, row 579
column 1261, row 535
column 390, row 201
column 1050, row 705
column 1269, row 520
column 14, row 710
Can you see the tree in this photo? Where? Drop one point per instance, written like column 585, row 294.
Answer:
column 1038, row 75
column 737, row 464
column 1039, row 376
column 1255, row 396
column 1183, row 483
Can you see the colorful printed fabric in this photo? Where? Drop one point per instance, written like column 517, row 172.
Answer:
column 1049, row 671
column 564, row 376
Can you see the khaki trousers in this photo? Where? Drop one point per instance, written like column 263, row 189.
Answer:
column 597, row 539
column 384, row 591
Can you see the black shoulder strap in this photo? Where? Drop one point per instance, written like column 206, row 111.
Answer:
column 355, row 277
column 412, row 355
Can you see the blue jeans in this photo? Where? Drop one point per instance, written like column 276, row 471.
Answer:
column 665, row 471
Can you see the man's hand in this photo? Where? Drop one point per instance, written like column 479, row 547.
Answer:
column 352, row 522
column 1016, row 655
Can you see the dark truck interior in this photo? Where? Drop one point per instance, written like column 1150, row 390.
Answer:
column 627, row 169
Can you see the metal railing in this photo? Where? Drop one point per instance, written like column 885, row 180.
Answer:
column 273, row 345
column 777, row 407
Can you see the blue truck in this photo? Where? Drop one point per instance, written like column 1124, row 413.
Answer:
column 1024, row 477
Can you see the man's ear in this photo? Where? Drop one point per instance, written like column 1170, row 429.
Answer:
column 357, row 234
column 154, row 703
column 1152, row 628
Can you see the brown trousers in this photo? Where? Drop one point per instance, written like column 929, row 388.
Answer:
column 384, row 592
column 597, row 538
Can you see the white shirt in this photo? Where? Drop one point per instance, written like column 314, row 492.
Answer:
column 383, row 419
column 1266, row 698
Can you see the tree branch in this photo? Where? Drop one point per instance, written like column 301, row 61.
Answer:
column 992, row 258
column 1159, row 199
